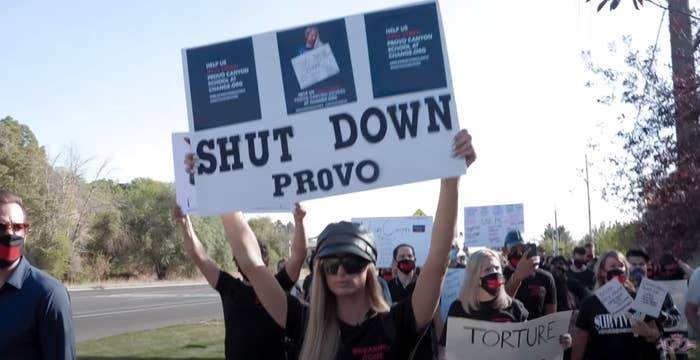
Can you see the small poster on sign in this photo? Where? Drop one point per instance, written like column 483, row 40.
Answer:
column 650, row 297
column 614, row 297
column 314, row 66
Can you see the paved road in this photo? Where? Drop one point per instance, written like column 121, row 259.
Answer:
column 101, row 313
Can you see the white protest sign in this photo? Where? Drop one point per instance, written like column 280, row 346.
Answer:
column 535, row 339
column 390, row 232
column 614, row 297
column 185, row 194
column 677, row 290
column 450, row 289
column 650, row 297
column 315, row 65
column 488, row 225
column 386, row 117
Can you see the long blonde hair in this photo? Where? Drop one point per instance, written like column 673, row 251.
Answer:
column 322, row 336
column 602, row 275
column 469, row 295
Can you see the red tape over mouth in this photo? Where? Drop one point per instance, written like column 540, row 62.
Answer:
column 10, row 252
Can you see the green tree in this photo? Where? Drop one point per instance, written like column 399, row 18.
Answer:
column 24, row 170
column 276, row 235
column 617, row 236
column 648, row 176
column 211, row 233
column 146, row 214
column 548, row 237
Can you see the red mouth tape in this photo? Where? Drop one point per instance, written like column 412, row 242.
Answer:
column 10, row 252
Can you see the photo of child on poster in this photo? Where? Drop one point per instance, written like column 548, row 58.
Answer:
column 316, row 73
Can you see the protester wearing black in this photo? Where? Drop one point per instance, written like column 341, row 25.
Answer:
column 570, row 292
column 402, row 286
column 347, row 317
column 534, row 287
column 482, row 296
column 579, row 269
column 600, row 335
column 669, row 316
column 489, row 311
column 250, row 332
column 639, row 266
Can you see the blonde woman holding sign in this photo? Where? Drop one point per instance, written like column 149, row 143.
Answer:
column 347, row 317
column 601, row 335
column 483, row 296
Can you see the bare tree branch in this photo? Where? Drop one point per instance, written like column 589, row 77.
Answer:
column 696, row 42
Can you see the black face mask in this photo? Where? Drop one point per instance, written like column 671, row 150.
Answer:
column 514, row 259
column 618, row 274
column 11, row 248
column 492, row 283
column 579, row 263
column 636, row 275
column 406, row 266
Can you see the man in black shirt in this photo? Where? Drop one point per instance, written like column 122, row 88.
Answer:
column 250, row 332
column 534, row 287
column 570, row 292
column 579, row 269
column 402, row 286
column 639, row 264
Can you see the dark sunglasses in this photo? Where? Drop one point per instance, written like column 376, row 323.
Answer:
column 15, row 227
column 351, row 264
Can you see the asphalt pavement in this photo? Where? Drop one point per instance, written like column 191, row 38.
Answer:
column 100, row 313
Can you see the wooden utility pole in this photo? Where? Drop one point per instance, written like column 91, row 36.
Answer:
column 684, row 82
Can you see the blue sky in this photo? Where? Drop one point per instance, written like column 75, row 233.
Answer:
column 106, row 78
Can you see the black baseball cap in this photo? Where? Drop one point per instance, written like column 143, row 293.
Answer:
column 346, row 238
column 513, row 238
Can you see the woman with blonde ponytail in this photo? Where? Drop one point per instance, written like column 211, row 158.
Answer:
column 347, row 317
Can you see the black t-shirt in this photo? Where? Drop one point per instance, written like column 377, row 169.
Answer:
column 250, row 331
column 585, row 277
column 516, row 312
column 388, row 336
column 398, row 291
column 611, row 337
column 427, row 349
column 570, row 292
column 535, row 291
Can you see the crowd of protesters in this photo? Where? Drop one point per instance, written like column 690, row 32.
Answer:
column 346, row 308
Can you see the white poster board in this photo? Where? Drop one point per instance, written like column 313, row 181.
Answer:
column 488, row 225
column 451, row 288
column 386, row 116
column 650, row 297
column 614, row 297
column 315, row 65
column 535, row 339
column 390, row 232
column 185, row 194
